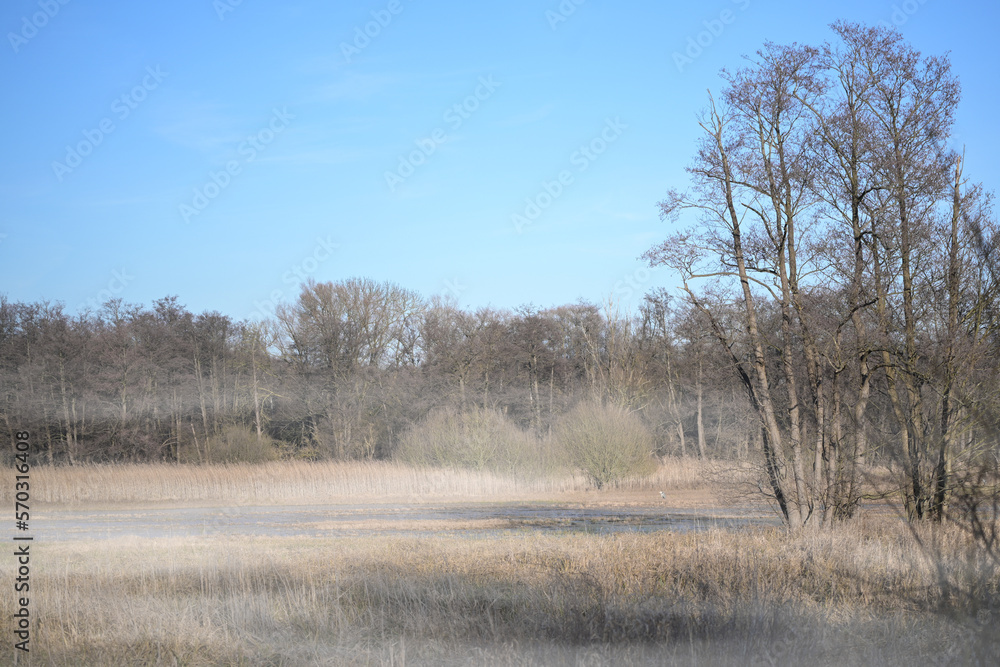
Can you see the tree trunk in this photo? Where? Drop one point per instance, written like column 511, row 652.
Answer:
column 70, row 441
column 761, row 396
column 701, row 423
column 942, row 469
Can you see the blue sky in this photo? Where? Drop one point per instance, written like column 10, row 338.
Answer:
column 221, row 151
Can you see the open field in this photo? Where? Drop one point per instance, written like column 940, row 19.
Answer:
column 863, row 592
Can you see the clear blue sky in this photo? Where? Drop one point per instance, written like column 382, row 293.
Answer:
column 152, row 99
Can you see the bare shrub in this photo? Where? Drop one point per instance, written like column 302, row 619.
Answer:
column 605, row 441
column 478, row 439
column 238, row 444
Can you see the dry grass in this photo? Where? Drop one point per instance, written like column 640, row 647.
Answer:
column 312, row 482
column 860, row 594
column 863, row 592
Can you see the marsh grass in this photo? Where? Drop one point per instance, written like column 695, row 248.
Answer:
column 859, row 594
column 872, row 590
column 310, row 482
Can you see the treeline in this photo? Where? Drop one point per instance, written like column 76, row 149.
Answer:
column 346, row 371
column 846, row 267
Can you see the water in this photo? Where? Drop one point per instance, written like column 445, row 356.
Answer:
column 374, row 519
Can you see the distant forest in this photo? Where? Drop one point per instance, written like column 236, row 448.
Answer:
column 346, row 369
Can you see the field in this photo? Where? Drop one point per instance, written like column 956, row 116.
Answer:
column 870, row 591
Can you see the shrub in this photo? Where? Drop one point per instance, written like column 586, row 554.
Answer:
column 480, row 438
column 238, row 444
column 606, row 442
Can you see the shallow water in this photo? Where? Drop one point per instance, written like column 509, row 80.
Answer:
column 374, row 519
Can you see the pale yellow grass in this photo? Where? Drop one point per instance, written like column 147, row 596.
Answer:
column 313, row 482
column 863, row 593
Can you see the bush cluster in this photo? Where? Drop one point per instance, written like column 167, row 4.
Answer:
column 479, row 439
column 238, row 444
column 605, row 442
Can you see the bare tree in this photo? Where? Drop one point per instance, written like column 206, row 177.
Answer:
column 718, row 252
column 825, row 211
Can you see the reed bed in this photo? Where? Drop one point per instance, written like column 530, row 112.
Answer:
column 862, row 593
column 307, row 482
